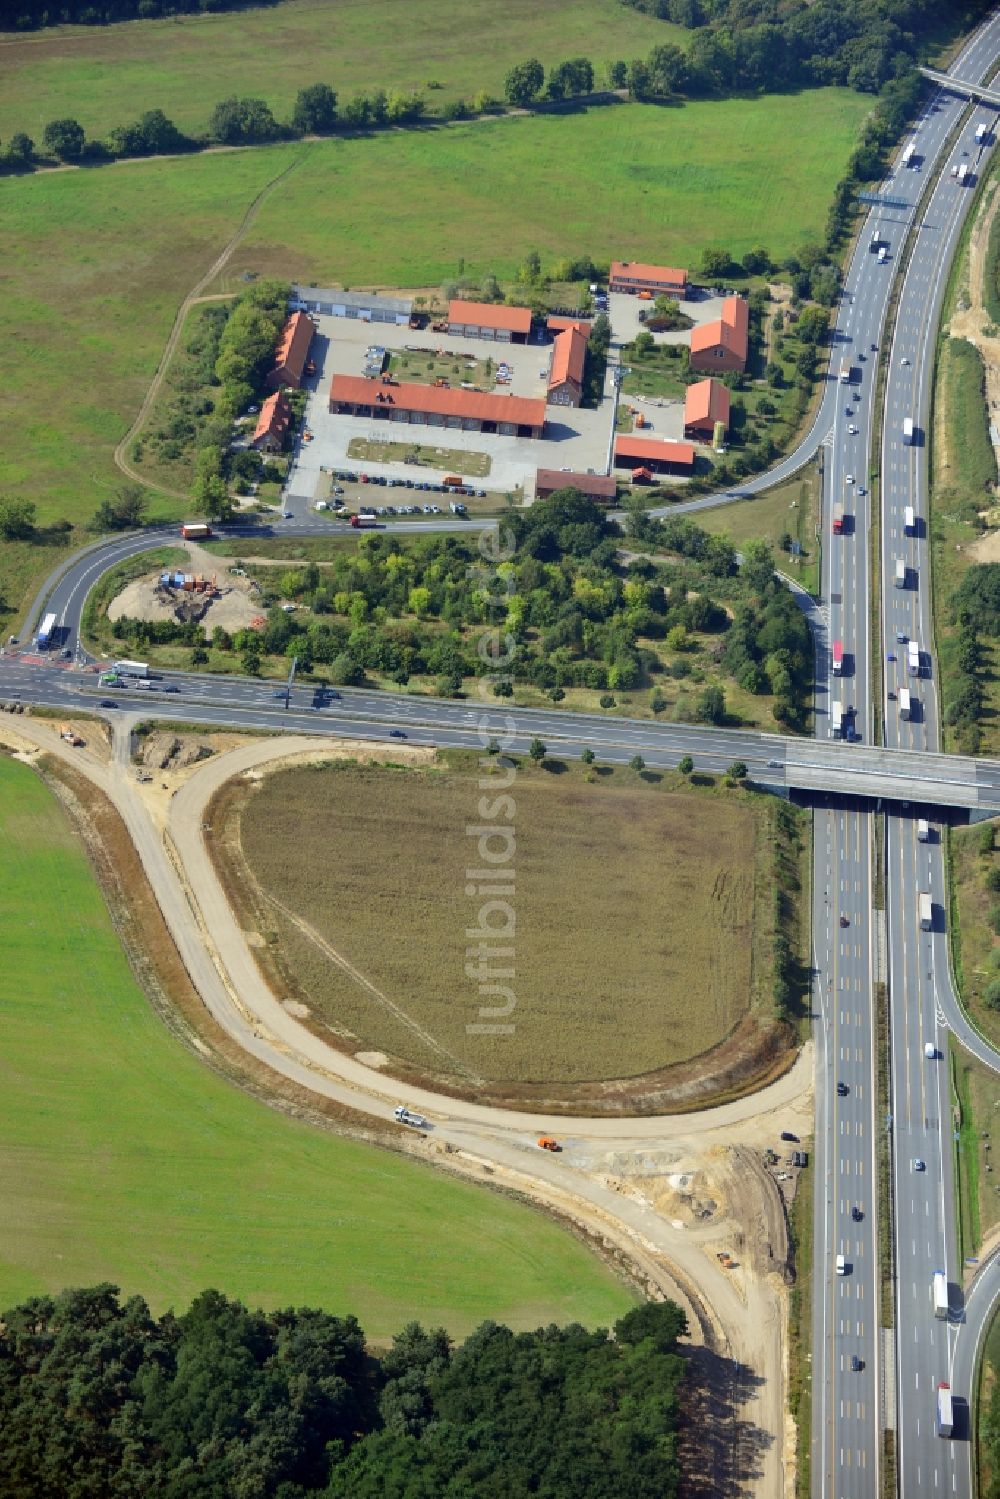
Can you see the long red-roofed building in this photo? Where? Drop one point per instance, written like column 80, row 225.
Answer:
column 437, row 406
column 634, row 277
column 602, row 489
column 659, row 455
column 292, row 352
column 705, row 403
column 723, row 344
column 489, row 320
column 569, row 359
column 272, row 424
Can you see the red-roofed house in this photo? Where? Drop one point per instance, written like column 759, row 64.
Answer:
column 659, row 455
column 633, row 277
column 489, row 320
column 723, row 345
column 272, row 424
column 569, row 357
column 292, row 352
column 556, row 324
column 603, row 490
column 463, row 410
column 705, row 403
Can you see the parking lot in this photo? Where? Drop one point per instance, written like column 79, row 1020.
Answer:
column 575, row 438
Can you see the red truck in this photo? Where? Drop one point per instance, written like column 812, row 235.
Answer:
column 357, row 521
column 838, row 520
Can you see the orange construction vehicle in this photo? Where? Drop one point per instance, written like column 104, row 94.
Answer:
column 546, row 1142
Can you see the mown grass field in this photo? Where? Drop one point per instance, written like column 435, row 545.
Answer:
column 107, row 75
column 788, row 509
column 125, row 1159
column 634, row 912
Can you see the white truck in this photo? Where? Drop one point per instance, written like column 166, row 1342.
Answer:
column 909, row 521
column 982, row 131
column 923, row 830
column 939, row 1292
column 836, row 719
column 908, row 429
column 926, row 911
column 845, row 372
column 900, row 578
column 407, row 1116
column 905, row 705
column 945, row 1415
column 131, row 668
column 46, row 630
column 913, row 658
column 963, row 175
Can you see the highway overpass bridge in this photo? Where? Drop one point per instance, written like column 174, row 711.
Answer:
column 892, row 775
column 959, row 86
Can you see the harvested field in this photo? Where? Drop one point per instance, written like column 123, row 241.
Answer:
column 633, row 915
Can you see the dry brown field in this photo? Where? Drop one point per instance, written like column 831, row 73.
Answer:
column 633, row 907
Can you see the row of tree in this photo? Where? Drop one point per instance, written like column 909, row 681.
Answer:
column 29, row 15
column 99, row 1398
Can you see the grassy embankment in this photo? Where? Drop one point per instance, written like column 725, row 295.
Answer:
column 377, row 873
column 974, row 917
column 787, row 510
column 122, row 245
column 126, row 1159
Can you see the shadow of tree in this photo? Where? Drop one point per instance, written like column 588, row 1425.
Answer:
column 721, row 1450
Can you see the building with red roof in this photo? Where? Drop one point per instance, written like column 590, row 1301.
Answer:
column 705, row 403
column 569, row 359
column 723, row 344
column 272, row 424
column 489, row 320
column 659, row 455
column 437, row 406
column 634, row 278
column 600, row 488
column 292, row 352
column 556, row 324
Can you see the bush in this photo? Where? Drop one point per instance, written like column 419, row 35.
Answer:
column 992, row 996
column 993, row 881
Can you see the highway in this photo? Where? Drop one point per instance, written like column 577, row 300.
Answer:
column 850, row 1378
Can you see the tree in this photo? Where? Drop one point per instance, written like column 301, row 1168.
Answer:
column 758, row 565
column 524, row 82
column 242, row 122
column 537, row 751
column 17, row 518
column 618, row 74
column 993, row 881
column 986, row 839
column 20, row 149
column 599, row 340
column 715, row 262
column 587, row 755
column 638, row 764
column 712, row 705
column 738, row 770
column 685, row 765
column 315, row 111
column 992, row 996
column 126, row 508
column 64, row 138
column 493, row 747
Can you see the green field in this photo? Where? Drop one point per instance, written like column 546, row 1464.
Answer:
column 976, row 945
column 790, row 509
column 374, row 861
column 125, row 1159
column 106, row 75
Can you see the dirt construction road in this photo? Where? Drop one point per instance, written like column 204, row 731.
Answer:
column 668, row 1193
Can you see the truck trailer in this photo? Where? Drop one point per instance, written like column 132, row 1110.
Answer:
column 908, row 429
column 195, row 530
column 836, row 719
column 982, row 131
column 939, row 1292
column 963, row 175
column 900, row 578
column 837, row 657
column 131, row 668
column 46, row 630
column 945, row 1415
column 909, row 521
column 926, row 911
column 360, row 521
column 845, row 372
column 838, row 520
column 913, row 658
column 904, row 703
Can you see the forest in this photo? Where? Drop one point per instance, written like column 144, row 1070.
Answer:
column 99, row 1398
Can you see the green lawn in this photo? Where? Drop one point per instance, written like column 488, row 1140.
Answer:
column 125, row 1159
column 790, row 509
column 107, row 75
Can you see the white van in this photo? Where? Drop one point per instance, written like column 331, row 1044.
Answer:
column 841, row 1265
column 923, row 830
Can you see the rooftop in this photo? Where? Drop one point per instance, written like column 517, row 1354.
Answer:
column 655, row 449
column 557, row 478
column 569, row 356
column 707, row 401
column 436, row 400
column 732, row 329
column 490, row 315
column 638, row 270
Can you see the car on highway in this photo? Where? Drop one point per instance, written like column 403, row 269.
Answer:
column 853, row 430
column 857, row 1364
column 396, row 734
column 849, row 479
column 918, row 1165
column 67, row 654
column 862, row 489
column 901, row 637
column 171, row 688
column 108, row 702
column 856, row 1214
column 842, row 1090
column 904, row 360
column 874, row 348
